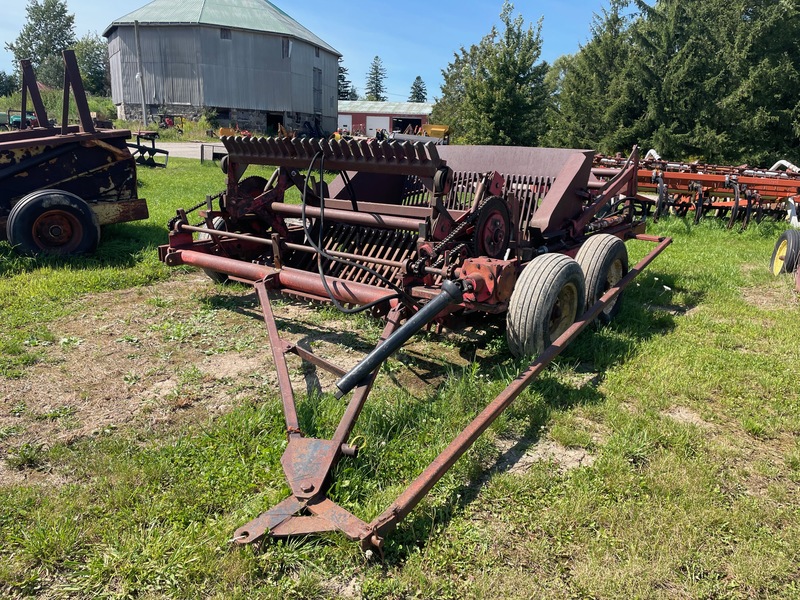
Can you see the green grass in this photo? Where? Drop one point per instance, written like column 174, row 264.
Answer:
column 34, row 291
column 705, row 507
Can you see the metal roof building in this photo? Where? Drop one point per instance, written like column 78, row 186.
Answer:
column 367, row 117
column 246, row 60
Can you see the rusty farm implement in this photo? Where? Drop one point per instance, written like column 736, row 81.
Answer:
column 737, row 194
column 413, row 232
column 59, row 184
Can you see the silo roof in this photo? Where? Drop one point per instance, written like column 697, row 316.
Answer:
column 251, row 15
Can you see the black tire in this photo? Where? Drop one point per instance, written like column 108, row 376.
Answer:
column 215, row 276
column 53, row 222
column 786, row 252
column 734, row 210
column 547, row 298
column 603, row 258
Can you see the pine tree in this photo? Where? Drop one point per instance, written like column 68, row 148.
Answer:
column 590, row 105
column 345, row 86
column 375, row 87
column 418, row 93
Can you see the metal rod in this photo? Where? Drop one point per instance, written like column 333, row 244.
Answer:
column 360, row 395
column 349, row 292
column 451, row 294
column 278, row 356
column 345, row 216
column 141, row 72
column 296, row 247
column 442, row 463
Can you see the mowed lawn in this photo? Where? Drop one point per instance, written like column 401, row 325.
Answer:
column 659, row 457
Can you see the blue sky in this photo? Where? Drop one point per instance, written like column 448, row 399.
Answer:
column 411, row 37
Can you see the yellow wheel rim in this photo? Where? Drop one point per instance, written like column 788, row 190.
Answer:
column 780, row 258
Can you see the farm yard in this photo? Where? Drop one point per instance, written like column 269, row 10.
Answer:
column 140, row 425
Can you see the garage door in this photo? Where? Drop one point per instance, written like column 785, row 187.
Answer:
column 375, row 123
column 346, row 122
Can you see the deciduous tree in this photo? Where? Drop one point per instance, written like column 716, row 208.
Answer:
column 91, row 53
column 49, row 30
column 8, row 83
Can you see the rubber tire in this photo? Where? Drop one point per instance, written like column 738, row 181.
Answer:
column 604, row 261
column 529, row 327
column 215, row 276
column 27, row 215
column 662, row 203
column 786, row 252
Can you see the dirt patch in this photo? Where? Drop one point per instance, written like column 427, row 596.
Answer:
column 515, row 460
column 779, row 295
column 183, row 350
column 681, row 414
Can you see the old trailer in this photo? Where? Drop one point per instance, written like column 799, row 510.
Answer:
column 60, row 183
column 413, row 232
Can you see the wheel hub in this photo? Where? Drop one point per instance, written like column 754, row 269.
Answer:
column 57, row 231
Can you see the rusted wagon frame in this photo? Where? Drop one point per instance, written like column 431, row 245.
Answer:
column 308, row 462
column 59, row 184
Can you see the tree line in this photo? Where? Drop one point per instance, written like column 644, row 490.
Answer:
column 376, row 85
column 713, row 80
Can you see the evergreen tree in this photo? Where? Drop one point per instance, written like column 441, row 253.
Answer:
column 682, row 70
column 48, row 31
column 494, row 93
column 591, row 103
column 376, row 89
column 418, row 93
column 345, row 86
column 764, row 102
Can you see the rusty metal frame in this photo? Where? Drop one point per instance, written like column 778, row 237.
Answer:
column 721, row 187
column 71, row 158
column 307, row 462
column 552, row 211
